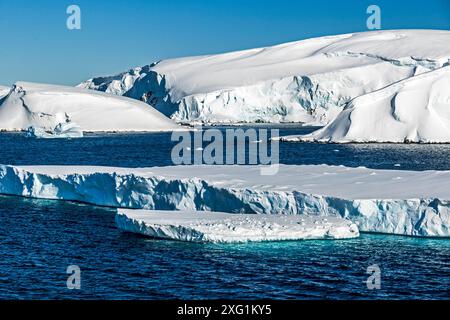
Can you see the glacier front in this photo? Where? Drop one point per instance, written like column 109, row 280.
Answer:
column 217, row 227
column 307, row 81
column 415, row 203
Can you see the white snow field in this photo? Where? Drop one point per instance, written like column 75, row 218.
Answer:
column 306, row 81
column 415, row 203
column 203, row 226
column 47, row 106
column 416, row 109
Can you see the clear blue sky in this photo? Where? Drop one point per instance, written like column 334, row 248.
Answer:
column 118, row 34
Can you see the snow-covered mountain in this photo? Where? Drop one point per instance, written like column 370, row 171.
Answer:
column 416, row 109
column 47, row 106
column 305, row 81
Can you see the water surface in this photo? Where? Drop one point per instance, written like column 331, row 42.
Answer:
column 40, row 238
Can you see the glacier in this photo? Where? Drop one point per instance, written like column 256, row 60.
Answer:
column 414, row 203
column 217, row 227
column 416, row 110
column 50, row 108
column 307, row 81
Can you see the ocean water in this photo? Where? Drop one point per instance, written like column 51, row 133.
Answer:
column 39, row 239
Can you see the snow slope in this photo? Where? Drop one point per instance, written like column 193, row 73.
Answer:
column 4, row 91
column 305, row 81
column 415, row 203
column 47, row 106
column 416, row 109
column 218, row 227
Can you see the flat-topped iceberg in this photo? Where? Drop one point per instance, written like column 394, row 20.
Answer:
column 306, row 81
column 413, row 110
column 415, row 203
column 203, row 226
column 48, row 107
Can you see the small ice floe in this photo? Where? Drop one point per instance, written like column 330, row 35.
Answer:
column 199, row 226
column 397, row 165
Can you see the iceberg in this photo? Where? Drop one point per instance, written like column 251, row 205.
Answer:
column 49, row 108
column 414, row 203
column 65, row 129
column 307, row 81
column 194, row 226
column 416, row 110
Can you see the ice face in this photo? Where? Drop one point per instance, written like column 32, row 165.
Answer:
column 385, row 201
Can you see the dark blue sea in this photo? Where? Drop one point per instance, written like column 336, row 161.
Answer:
column 39, row 239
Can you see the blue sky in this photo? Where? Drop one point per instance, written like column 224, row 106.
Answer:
column 118, row 34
